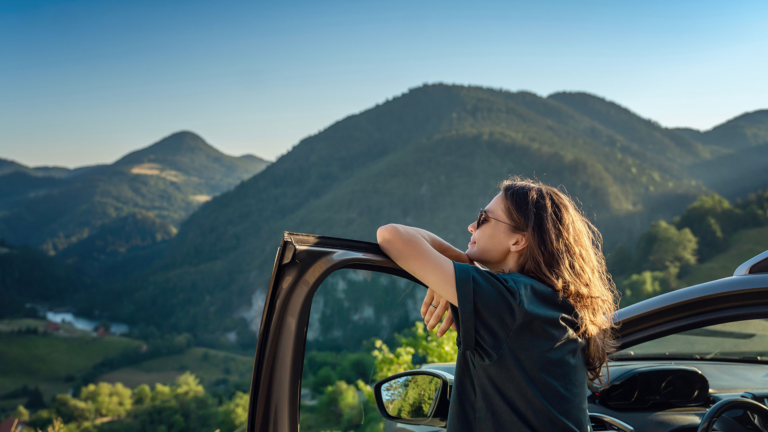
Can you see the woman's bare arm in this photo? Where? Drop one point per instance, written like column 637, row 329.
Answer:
column 424, row 255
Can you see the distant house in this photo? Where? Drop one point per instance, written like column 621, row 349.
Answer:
column 12, row 424
column 51, row 326
column 101, row 332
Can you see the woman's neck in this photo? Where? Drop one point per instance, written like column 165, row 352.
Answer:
column 509, row 265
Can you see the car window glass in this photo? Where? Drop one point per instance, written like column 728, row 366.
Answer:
column 744, row 340
column 354, row 314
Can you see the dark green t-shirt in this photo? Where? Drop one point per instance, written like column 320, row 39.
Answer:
column 520, row 365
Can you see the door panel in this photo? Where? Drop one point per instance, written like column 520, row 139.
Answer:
column 302, row 263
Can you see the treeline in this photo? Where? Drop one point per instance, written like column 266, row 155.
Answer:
column 667, row 252
column 183, row 406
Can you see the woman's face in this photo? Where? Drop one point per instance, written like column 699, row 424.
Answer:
column 490, row 245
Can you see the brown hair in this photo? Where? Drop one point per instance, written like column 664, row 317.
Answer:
column 564, row 251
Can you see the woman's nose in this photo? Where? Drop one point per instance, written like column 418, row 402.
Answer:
column 471, row 227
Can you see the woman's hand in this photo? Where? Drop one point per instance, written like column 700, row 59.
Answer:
column 432, row 315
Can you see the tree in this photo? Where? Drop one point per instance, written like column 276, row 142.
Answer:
column 73, row 410
column 432, row 348
column 641, row 286
column 234, row 413
column 344, row 407
column 188, row 386
column 161, row 393
column 108, row 400
column 142, row 395
column 388, row 363
column 416, row 340
column 711, row 219
column 325, row 377
column 664, row 246
column 20, row 413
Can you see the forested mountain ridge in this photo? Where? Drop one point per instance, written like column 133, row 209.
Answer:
column 167, row 180
column 8, row 166
column 745, row 131
column 739, row 164
column 646, row 135
column 431, row 158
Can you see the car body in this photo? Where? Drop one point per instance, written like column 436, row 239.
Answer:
column 304, row 261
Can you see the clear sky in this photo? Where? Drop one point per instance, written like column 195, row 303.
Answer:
column 85, row 81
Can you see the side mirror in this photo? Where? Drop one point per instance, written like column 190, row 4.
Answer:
column 417, row 397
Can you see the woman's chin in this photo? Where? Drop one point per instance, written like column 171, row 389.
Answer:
column 470, row 253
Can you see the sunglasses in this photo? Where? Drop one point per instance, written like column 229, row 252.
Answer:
column 483, row 218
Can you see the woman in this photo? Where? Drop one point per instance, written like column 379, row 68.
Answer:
column 534, row 326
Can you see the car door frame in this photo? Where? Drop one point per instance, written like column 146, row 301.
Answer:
column 304, row 261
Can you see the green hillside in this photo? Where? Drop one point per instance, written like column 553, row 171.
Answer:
column 120, row 247
column 8, row 166
column 744, row 245
column 642, row 135
column 28, row 275
column 740, row 155
column 168, row 180
column 53, row 363
column 212, row 367
column 736, row 174
column 745, row 131
column 431, row 157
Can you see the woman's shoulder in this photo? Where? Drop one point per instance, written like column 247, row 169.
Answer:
column 521, row 279
column 513, row 279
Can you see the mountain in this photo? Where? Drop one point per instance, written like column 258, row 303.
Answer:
column 643, row 135
column 736, row 174
column 741, row 148
column 432, row 158
column 167, row 180
column 745, row 131
column 9, row 166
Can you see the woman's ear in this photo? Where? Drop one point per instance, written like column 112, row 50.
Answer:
column 518, row 243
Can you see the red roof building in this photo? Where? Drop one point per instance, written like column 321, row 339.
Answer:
column 12, row 425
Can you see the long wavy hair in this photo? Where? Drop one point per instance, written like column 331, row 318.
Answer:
column 565, row 252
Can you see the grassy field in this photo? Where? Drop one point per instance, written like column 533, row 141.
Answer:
column 53, row 362
column 211, row 366
column 745, row 245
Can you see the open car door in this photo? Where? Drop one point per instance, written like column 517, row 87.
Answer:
column 304, row 261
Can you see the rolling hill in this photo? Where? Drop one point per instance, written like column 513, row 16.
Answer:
column 8, row 166
column 745, row 131
column 740, row 165
column 431, row 158
column 167, row 180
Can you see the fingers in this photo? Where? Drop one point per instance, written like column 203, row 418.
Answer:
column 434, row 320
column 447, row 323
column 427, row 301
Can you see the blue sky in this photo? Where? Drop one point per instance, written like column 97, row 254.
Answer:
column 85, row 81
